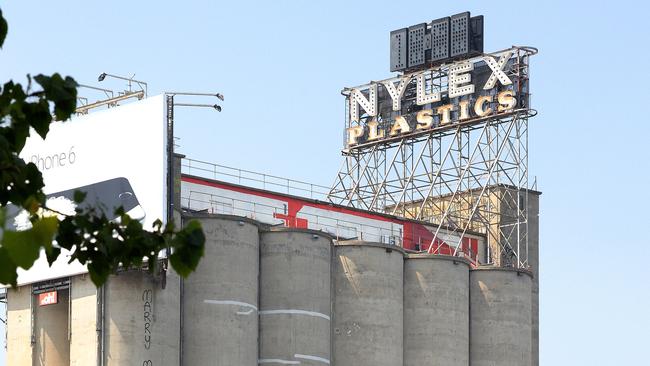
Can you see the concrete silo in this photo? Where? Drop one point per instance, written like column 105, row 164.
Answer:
column 84, row 338
column 368, row 304
column 19, row 326
column 436, row 310
column 500, row 317
column 140, row 320
column 295, row 297
column 220, row 299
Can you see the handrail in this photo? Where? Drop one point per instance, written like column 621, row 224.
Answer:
column 339, row 228
column 250, row 178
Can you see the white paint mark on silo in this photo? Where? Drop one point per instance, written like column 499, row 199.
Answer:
column 232, row 302
column 295, row 311
column 312, row 358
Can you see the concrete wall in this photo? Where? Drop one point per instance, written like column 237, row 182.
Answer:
column 436, row 310
column 221, row 296
column 295, row 300
column 533, row 260
column 500, row 317
column 19, row 320
column 368, row 303
column 139, row 324
column 83, row 324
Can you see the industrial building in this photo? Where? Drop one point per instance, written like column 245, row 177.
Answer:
column 424, row 251
column 288, row 291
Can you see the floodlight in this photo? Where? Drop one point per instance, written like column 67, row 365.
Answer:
column 398, row 43
column 416, row 44
column 459, row 44
column 440, row 39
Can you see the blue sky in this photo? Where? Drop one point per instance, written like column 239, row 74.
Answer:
column 282, row 64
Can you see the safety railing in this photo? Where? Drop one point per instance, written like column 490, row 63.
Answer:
column 340, row 229
column 268, row 214
column 253, row 179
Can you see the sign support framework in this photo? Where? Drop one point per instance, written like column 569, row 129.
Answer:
column 464, row 175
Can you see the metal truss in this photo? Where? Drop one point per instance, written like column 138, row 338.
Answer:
column 471, row 178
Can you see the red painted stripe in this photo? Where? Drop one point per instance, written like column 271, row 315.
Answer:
column 413, row 233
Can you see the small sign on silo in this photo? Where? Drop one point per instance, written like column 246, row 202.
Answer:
column 48, row 298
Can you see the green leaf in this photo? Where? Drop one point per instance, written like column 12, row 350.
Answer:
column 4, row 27
column 23, row 247
column 7, row 269
column 79, row 196
column 63, row 92
column 189, row 245
column 43, row 231
column 3, row 218
column 39, row 117
column 52, row 254
column 98, row 269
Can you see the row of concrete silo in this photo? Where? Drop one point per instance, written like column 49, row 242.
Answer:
column 349, row 303
column 279, row 296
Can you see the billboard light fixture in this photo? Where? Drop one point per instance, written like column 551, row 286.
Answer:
column 218, row 95
column 423, row 45
column 131, row 80
column 215, row 106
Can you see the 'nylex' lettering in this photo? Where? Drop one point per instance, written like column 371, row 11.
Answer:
column 466, row 103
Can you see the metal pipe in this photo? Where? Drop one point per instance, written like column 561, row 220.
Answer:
column 32, row 322
column 215, row 106
column 218, row 95
column 100, row 316
column 70, row 310
column 111, row 101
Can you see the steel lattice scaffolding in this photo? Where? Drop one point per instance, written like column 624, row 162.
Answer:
column 469, row 177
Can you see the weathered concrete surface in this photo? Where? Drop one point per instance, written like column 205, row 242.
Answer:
column 500, row 317
column 436, row 310
column 83, row 340
column 19, row 344
column 221, row 296
column 141, row 320
column 51, row 327
column 166, row 318
column 533, row 260
column 295, row 300
column 368, row 304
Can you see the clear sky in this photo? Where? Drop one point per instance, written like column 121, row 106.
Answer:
column 281, row 66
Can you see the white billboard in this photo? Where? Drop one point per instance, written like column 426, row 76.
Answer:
column 118, row 156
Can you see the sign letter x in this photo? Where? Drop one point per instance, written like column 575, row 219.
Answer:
column 497, row 70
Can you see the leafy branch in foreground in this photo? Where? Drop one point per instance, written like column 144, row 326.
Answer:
column 106, row 245
column 103, row 245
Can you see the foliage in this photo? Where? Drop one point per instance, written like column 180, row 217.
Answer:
column 103, row 245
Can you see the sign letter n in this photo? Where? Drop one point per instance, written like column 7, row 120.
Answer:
column 368, row 104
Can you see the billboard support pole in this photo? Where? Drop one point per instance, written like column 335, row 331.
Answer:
column 171, row 176
column 170, row 159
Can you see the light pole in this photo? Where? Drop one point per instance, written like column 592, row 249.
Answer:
column 170, row 138
column 169, row 96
